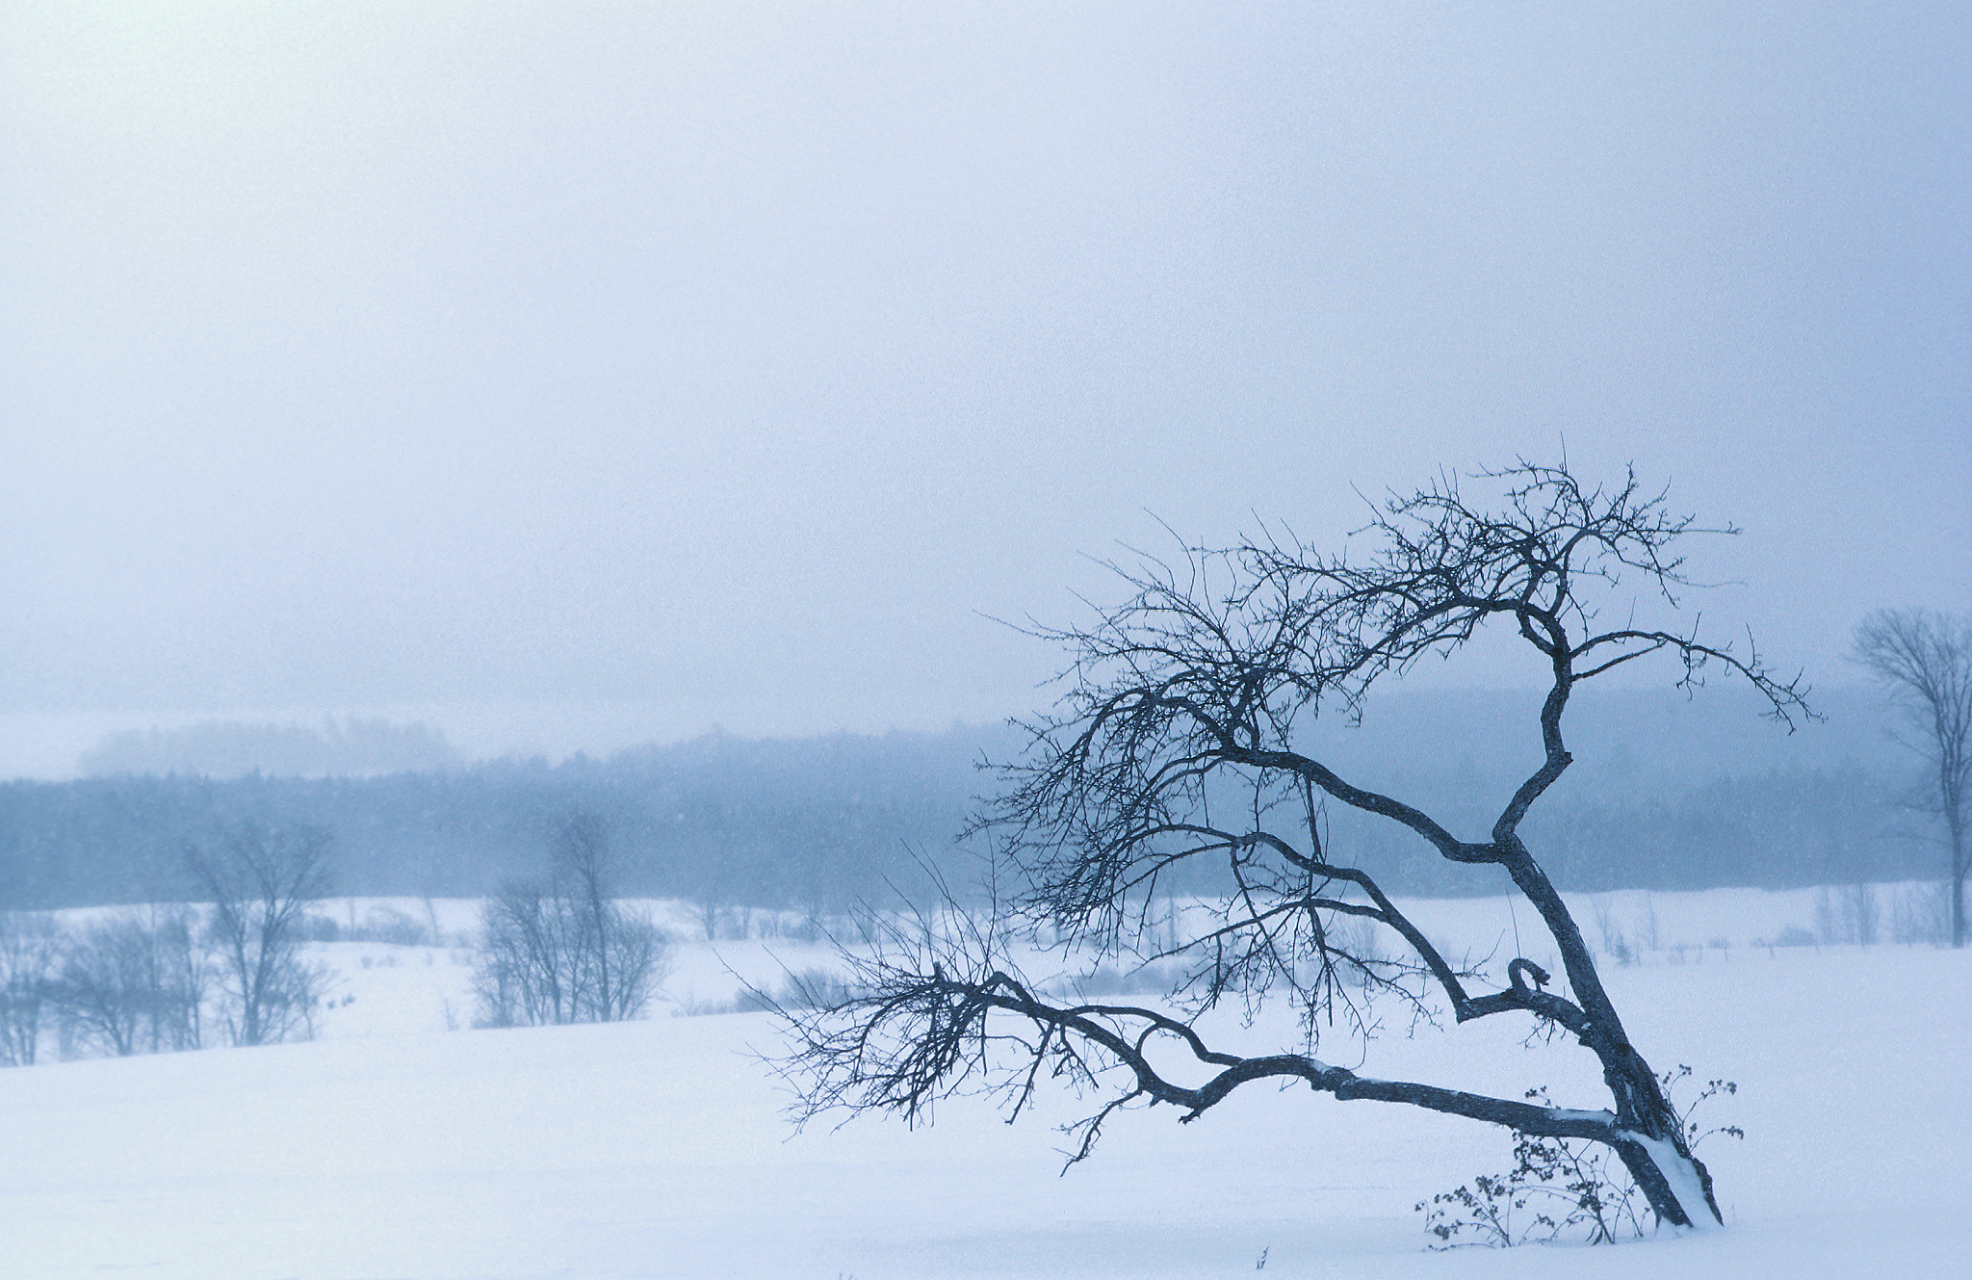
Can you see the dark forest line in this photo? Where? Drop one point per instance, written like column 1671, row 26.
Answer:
column 823, row 823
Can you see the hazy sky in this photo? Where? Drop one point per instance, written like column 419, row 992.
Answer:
column 641, row 366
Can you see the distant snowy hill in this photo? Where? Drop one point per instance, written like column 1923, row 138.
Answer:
column 230, row 749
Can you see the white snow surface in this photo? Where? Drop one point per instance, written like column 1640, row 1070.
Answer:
column 395, row 1148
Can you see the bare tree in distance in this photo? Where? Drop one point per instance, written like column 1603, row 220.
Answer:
column 1924, row 660
column 566, row 950
column 134, row 982
column 102, row 988
column 1178, row 741
column 30, row 947
column 261, row 881
column 180, row 975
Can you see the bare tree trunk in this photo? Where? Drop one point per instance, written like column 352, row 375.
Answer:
column 1958, row 904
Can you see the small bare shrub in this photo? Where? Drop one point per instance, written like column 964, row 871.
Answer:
column 1559, row 1190
column 316, row 927
column 392, row 927
column 1614, row 944
column 1646, row 926
column 809, row 989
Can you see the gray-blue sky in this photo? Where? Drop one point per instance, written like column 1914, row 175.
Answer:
column 726, row 362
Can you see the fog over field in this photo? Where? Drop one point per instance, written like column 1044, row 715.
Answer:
column 573, row 377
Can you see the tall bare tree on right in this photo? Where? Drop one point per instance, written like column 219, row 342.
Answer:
column 1924, row 659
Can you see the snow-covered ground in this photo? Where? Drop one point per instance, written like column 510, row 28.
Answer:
column 394, row 1147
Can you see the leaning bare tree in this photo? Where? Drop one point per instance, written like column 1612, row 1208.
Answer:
column 261, row 881
column 1181, row 740
column 1924, row 659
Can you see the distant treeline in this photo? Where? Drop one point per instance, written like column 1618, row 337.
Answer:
column 229, row 749
column 824, row 823
column 1779, row 830
column 821, row 822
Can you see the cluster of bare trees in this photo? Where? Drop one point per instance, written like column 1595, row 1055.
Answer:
column 261, row 881
column 136, row 984
column 162, row 978
column 129, row 983
column 564, row 949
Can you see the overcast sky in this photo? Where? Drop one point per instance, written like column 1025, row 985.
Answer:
column 580, row 372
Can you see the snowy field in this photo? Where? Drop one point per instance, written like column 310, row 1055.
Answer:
column 396, row 1147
